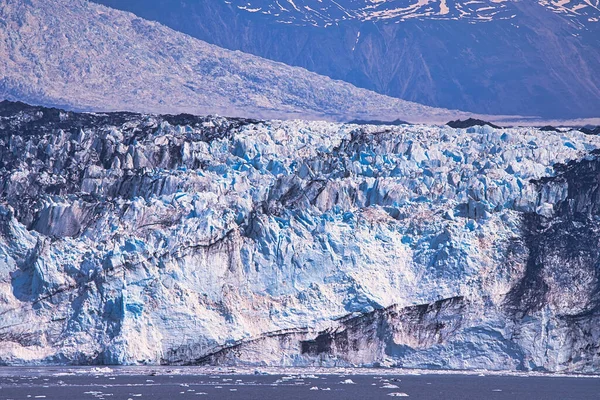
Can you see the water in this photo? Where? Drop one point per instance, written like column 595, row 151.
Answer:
column 181, row 383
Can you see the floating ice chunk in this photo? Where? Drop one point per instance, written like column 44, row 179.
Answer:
column 99, row 370
column 347, row 382
column 389, row 386
column 314, row 388
column 398, row 394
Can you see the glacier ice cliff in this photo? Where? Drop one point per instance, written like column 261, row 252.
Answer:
column 128, row 238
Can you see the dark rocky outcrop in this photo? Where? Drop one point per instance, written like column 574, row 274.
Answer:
column 468, row 123
column 590, row 130
column 375, row 122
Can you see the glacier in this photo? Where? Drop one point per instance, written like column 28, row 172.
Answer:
column 143, row 239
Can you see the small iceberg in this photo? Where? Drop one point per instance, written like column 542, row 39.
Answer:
column 389, row 386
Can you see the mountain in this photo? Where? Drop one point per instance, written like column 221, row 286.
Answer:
column 492, row 56
column 84, row 56
column 329, row 12
column 129, row 239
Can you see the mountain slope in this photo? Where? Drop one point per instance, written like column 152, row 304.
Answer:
column 328, row 12
column 506, row 57
column 129, row 238
column 85, row 56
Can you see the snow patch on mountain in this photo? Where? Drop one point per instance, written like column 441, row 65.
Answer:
column 328, row 12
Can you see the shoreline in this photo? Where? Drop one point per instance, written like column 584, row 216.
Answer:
column 109, row 370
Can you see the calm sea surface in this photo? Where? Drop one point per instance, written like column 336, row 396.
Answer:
column 134, row 384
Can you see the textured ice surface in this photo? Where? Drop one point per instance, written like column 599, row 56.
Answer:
column 131, row 239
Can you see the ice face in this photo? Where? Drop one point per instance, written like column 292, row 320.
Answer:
column 140, row 239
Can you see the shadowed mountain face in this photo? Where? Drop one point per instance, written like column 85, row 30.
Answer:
column 144, row 239
column 497, row 57
column 84, row 56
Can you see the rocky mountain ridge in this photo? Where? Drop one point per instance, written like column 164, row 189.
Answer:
column 83, row 56
column 532, row 58
column 329, row 12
